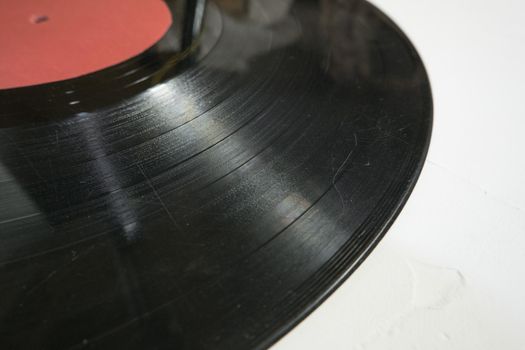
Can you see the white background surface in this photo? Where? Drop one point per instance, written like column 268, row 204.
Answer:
column 450, row 273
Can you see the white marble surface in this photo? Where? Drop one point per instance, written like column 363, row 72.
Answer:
column 450, row 274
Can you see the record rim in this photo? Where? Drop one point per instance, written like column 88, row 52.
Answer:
column 272, row 338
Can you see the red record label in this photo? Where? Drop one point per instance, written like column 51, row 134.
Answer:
column 43, row 41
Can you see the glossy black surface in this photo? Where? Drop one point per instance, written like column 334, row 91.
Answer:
column 217, row 201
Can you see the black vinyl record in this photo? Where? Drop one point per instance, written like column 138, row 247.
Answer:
column 212, row 191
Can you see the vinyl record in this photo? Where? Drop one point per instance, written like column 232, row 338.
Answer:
column 210, row 192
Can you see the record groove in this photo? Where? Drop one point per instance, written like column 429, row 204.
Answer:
column 211, row 201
